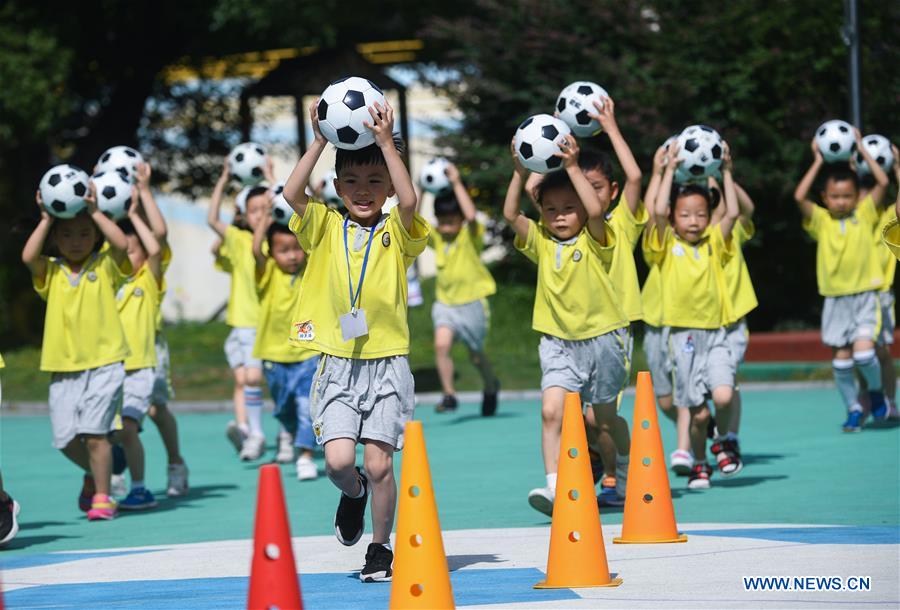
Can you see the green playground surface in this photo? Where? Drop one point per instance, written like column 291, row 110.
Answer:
column 800, row 469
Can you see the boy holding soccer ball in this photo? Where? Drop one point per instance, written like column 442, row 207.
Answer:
column 353, row 310
column 849, row 276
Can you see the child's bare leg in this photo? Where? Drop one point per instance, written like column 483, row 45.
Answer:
column 130, row 439
column 168, row 431
column 78, row 454
column 735, row 408
column 552, row 401
column 100, row 453
column 378, row 458
column 888, row 373
column 699, row 422
column 613, row 436
column 667, row 407
column 443, row 341
column 481, row 362
column 340, row 465
column 722, row 396
column 240, row 413
column 683, row 428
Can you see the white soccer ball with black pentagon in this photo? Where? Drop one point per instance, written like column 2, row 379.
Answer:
column 63, row 189
column 113, row 194
column 434, row 176
column 836, row 141
column 537, row 141
column 700, row 149
column 576, row 102
column 329, row 194
column 121, row 159
column 879, row 149
column 246, row 163
column 344, row 107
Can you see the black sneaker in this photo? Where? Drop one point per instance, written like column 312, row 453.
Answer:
column 489, row 402
column 448, row 403
column 349, row 521
column 378, row 564
column 9, row 527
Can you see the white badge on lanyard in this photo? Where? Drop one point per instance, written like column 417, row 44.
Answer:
column 353, row 323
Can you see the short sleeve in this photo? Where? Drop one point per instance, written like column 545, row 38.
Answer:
column 412, row 242
column 529, row 247
column 628, row 225
column 724, row 250
column 603, row 251
column 813, row 224
column 867, row 212
column 312, row 226
column 743, row 231
column 654, row 247
column 165, row 258
column 265, row 279
column 43, row 287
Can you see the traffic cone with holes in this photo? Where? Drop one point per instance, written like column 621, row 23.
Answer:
column 273, row 573
column 577, row 556
column 421, row 577
column 649, row 515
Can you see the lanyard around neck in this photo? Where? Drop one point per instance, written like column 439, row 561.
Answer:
column 354, row 298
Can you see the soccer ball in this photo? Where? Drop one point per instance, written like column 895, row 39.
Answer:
column 121, row 159
column 63, row 189
column 700, row 149
column 574, row 104
column 537, row 140
column 281, row 209
column 246, row 163
column 329, row 194
column 879, row 149
column 240, row 200
column 434, row 176
column 836, row 141
column 343, row 107
column 113, row 194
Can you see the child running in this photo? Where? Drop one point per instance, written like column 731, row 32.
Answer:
column 460, row 309
column 353, row 309
column 84, row 345
column 848, row 276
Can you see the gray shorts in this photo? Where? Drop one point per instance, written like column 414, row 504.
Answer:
column 162, row 378
column 362, row 399
column 596, row 368
column 239, row 348
column 886, row 336
column 137, row 390
column 468, row 322
column 656, row 348
column 738, row 336
column 848, row 318
column 702, row 361
column 84, row 402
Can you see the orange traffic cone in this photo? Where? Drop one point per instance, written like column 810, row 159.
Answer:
column 649, row 516
column 577, row 556
column 421, row 577
column 273, row 573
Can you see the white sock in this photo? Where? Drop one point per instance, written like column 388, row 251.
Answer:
column 253, row 404
column 137, row 484
column 551, row 481
column 870, row 368
column 845, row 380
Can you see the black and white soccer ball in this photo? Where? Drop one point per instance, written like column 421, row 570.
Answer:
column 113, row 194
column 576, row 102
column 246, row 163
column 63, row 189
column 121, row 159
column 879, row 149
column 700, row 149
column 836, row 140
column 281, row 209
column 329, row 194
column 537, row 141
column 434, row 176
column 344, row 107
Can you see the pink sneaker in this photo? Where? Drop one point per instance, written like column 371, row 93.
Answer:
column 102, row 508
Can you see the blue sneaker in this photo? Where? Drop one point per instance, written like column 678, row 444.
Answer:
column 138, row 499
column 854, row 421
column 879, row 406
column 608, row 495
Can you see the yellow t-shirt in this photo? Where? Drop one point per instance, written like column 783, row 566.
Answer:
column 2, row 363
column 887, row 262
column 326, row 296
column 279, row 295
column 846, row 262
column 243, row 304
column 138, row 304
column 891, row 237
column 693, row 284
column 737, row 276
column 651, row 292
column 82, row 329
column 622, row 270
column 575, row 299
column 461, row 276
column 165, row 261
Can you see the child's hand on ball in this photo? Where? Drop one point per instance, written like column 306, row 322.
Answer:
column 452, row 173
column 135, row 206
column 383, row 124
column 91, row 198
column 726, row 156
column 45, row 215
column 568, row 151
column 314, row 119
column 520, row 169
column 660, row 160
column 817, row 154
column 605, row 114
column 143, row 175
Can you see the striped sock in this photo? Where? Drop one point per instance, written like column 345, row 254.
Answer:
column 253, row 402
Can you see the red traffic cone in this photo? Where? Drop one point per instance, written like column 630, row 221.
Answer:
column 273, row 573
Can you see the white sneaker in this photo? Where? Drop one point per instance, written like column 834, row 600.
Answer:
column 253, row 448
column 178, row 480
column 306, row 469
column 117, row 485
column 681, row 462
column 285, row 453
column 235, row 435
column 541, row 499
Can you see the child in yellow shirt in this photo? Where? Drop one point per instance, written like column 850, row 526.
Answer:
column 84, row 345
column 848, row 276
column 460, row 309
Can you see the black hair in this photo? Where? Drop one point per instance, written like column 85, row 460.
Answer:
column 368, row 155
column 50, row 242
column 256, row 191
column 127, row 227
column 553, row 180
column 839, row 172
column 867, row 181
column 276, row 227
column 685, row 190
column 590, row 160
column 446, row 205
